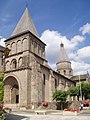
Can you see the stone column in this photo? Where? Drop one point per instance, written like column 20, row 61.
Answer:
column 23, row 89
column 51, row 86
column 39, row 82
column 1, row 61
column 34, row 85
column 1, row 58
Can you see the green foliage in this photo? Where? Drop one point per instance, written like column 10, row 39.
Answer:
column 60, row 95
column 1, row 117
column 73, row 91
column 85, row 88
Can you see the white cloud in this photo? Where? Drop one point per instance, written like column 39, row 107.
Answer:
column 54, row 38
column 80, row 67
column 85, row 29
column 76, row 39
column 74, row 42
column 2, row 41
column 84, row 53
column 78, row 56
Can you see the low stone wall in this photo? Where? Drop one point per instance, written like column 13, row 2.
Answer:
column 51, row 105
column 70, row 113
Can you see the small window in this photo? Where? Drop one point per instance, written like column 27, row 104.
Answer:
column 55, row 83
column 70, row 72
column 14, row 63
column 20, row 62
column 44, row 79
column 64, row 72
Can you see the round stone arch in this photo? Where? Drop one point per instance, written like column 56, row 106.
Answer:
column 14, row 63
column 13, row 47
column 24, row 44
column 11, row 90
column 19, row 47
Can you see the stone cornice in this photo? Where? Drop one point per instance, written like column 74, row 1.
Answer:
column 17, row 69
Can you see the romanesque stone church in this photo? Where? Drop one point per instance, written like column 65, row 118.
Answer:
column 28, row 78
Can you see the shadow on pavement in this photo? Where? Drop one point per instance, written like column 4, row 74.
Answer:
column 14, row 117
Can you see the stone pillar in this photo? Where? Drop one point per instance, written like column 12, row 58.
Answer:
column 51, row 86
column 1, row 61
column 34, row 85
column 29, row 88
column 40, row 87
column 23, row 89
column 1, row 58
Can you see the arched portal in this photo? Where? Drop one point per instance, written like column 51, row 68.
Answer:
column 11, row 90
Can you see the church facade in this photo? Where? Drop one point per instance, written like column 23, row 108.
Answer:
column 28, row 78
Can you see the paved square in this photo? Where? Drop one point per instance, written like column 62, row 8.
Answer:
column 45, row 117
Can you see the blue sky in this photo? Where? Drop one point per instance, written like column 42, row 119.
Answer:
column 56, row 21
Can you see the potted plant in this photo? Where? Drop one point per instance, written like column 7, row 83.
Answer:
column 70, row 111
column 45, row 104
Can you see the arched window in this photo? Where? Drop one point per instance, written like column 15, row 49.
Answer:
column 24, row 44
column 7, row 65
column 20, row 62
column 14, row 63
column 18, row 46
column 13, row 48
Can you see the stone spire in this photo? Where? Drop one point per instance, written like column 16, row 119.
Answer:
column 25, row 24
column 63, row 55
column 63, row 63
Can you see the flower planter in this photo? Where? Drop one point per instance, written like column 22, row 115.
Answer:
column 8, row 110
column 45, row 104
column 70, row 113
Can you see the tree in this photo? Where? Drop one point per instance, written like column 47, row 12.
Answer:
column 60, row 96
column 74, row 91
column 85, row 89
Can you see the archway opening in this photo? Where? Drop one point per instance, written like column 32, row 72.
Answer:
column 11, row 91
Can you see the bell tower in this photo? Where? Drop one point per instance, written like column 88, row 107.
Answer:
column 63, row 63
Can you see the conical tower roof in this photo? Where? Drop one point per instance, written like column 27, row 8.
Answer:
column 63, row 55
column 25, row 24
